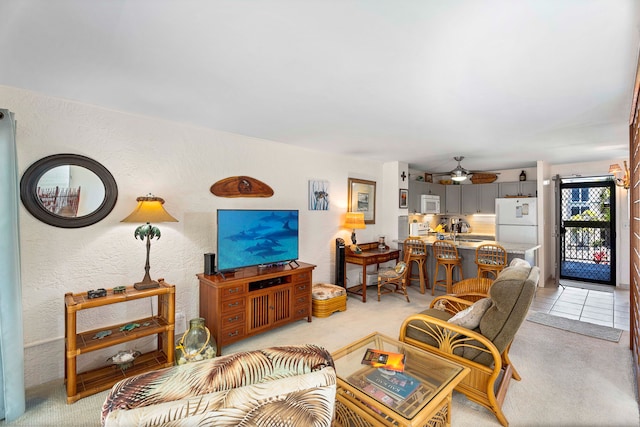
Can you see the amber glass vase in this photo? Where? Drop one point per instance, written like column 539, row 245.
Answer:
column 196, row 343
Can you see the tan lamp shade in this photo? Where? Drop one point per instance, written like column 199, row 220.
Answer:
column 615, row 168
column 355, row 220
column 150, row 210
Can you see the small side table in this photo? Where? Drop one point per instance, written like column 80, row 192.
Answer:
column 370, row 255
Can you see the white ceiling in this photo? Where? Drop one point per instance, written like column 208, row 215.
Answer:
column 503, row 83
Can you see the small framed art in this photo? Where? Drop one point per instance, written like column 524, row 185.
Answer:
column 403, row 199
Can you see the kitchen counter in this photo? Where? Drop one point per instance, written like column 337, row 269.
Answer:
column 467, row 249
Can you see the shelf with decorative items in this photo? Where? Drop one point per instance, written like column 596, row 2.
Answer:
column 124, row 363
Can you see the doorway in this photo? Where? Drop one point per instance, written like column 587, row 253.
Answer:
column 586, row 219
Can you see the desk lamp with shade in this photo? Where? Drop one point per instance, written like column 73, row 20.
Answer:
column 149, row 210
column 354, row 220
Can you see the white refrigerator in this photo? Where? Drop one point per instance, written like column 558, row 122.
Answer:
column 517, row 220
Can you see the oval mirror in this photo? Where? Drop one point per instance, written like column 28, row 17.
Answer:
column 68, row 190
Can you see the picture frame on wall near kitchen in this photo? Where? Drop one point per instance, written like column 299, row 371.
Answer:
column 362, row 198
column 403, row 202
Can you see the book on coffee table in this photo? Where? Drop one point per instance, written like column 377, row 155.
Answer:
column 384, row 359
column 398, row 385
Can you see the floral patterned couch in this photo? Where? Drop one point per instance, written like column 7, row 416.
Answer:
column 288, row 385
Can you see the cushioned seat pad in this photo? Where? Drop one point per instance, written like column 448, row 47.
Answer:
column 324, row 291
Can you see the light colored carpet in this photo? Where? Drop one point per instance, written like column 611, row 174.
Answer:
column 567, row 379
column 577, row 326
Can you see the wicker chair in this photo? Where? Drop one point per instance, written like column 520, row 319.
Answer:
column 472, row 289
column 446, row 256
column 395, row 279
column 419, row 254
column 491, row 258
column 484, row 349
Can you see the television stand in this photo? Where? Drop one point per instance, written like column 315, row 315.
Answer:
column 252, row 300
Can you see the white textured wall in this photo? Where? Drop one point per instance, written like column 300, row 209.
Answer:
column 173, row 161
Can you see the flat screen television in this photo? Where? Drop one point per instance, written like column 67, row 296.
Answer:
column 256, row 237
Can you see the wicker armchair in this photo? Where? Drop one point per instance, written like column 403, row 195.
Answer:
column 484, row 349
column 472, row 289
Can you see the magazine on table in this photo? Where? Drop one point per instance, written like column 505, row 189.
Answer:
column 398, row 385
column 384, row 359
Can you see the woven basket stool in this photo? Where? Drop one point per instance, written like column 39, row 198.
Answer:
column 327, row 299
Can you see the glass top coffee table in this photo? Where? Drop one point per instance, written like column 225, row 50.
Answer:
column 371, row 396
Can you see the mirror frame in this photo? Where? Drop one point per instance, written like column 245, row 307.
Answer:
column 29, row 186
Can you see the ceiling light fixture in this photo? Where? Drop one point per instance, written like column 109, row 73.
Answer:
column 625, row 181
column 459, row 173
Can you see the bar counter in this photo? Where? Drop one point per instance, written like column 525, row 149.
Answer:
column 467, row 250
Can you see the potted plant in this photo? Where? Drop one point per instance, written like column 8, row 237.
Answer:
column 599, row 256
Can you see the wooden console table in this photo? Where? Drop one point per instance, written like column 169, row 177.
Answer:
column 370, row 255
column 253, row 300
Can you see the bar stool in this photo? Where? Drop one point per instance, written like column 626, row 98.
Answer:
column 417, row 253
column 446, row 255
column 491, row 259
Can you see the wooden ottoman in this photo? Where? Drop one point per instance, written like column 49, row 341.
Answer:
column 328, row 299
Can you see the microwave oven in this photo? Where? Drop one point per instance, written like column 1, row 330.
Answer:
column 429, row 204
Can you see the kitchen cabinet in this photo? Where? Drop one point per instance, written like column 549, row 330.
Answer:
column 478, row 198
column 518, row 188
column 418, row 188
column 452, row 199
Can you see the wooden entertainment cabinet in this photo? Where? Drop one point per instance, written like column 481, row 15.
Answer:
column 253, row 300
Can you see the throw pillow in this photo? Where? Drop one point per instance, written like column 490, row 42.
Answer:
column 470, row 317
column 440, row 305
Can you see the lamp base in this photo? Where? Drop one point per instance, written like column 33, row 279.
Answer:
column 146, row 285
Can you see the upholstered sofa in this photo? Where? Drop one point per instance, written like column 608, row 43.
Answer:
column 288, row 385
column 478, row 334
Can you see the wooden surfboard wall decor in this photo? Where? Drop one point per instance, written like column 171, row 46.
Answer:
column 241, row 186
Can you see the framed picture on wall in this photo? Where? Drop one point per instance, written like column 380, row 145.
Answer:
column 404, row 199
column 362, row 198
column 318, row 195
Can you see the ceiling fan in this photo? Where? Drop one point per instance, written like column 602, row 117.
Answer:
column 459, row 173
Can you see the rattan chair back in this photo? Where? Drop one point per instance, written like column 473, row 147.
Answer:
column 415, row 250
column 446, row 256
column 491, row 259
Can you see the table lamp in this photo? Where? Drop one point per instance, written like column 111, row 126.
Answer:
column 354, row 220
column 625, row 181
column 149, row 210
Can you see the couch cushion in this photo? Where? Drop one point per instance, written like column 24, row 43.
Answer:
column 470, row 317
column 325, row 291
column 511, row 293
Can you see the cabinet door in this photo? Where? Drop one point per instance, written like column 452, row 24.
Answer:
column 470, row 196
column 416, row 189
column 438, row 190
column 529, row 188
column 268, row 308
column 452, row 202
column 509, row 188
column 487, row 198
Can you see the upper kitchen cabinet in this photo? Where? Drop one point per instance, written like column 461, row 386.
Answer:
column 418, row 188
column 478, row 198
column 452, row 199
column 518, row 188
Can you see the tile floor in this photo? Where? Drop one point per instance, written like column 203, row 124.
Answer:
column 587, row 305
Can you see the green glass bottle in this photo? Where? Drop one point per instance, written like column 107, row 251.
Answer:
column 196, row 343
